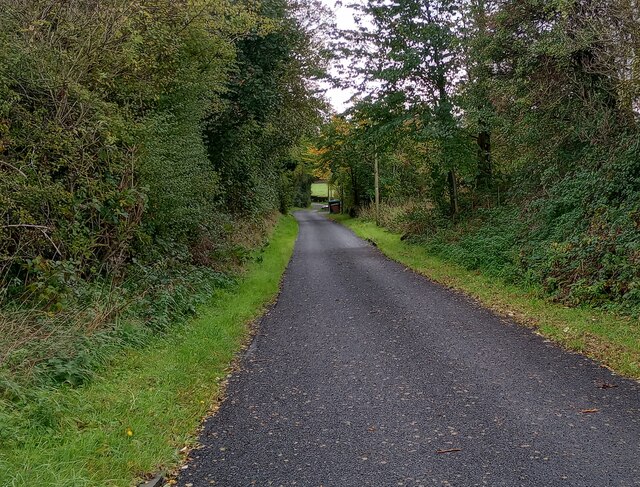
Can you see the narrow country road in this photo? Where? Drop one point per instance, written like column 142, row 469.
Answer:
column 365, row 374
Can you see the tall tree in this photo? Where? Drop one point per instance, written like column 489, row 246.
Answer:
column 410, row 53
column 475, row 93
column 270, row 105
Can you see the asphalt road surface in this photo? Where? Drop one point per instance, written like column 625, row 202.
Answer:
column 366, row 374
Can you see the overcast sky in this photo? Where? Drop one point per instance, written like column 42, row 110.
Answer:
column 344, row 20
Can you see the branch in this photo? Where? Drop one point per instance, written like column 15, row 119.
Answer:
column 14, row 168
column 42, row 228
column 27, row 225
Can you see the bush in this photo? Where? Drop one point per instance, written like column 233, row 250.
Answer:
column 546, row 246
column 143, row 153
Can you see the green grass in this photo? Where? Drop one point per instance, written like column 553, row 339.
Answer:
column 136, row 416
column 319, row 190
column 613, row 340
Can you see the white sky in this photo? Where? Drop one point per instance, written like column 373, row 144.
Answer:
column 344, row 20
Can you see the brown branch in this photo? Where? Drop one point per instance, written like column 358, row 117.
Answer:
column 14, row 168
column 42, row 228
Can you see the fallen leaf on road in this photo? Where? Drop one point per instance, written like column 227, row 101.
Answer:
column 589, row 411
column 606, row 385
column 450, row 450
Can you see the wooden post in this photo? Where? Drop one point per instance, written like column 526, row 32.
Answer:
column 377, row 184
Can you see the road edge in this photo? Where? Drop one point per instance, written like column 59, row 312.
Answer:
column 570, row 328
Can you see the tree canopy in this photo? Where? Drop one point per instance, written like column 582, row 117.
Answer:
column 502, row 111
column 138, row 131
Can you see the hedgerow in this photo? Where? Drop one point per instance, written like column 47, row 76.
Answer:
column 144, row 148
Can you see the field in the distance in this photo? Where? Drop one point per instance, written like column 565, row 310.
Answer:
column 319, row 190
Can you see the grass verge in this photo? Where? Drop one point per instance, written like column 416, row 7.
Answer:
column 134, row 419
column 612, row 340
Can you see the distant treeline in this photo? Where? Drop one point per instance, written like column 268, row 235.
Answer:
column 507, row 137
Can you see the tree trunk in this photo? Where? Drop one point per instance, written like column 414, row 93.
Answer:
column 485, row 170
column 453, row 193
column 356, row 194
column 377, row 187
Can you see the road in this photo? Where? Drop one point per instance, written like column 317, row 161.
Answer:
column 367, row 374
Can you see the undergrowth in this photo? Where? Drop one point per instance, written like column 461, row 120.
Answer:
column 44, row 349
column 540, row 249
column 153, row 375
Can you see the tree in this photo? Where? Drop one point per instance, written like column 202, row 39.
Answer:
column 410, row 55
column 142, row 130
column 269, row 107
column 475, row 91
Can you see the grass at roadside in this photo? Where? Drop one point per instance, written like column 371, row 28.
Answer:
column 610, row 339
column 134, row 419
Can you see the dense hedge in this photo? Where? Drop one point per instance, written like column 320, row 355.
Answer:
column 141, row 130
column 144, row 149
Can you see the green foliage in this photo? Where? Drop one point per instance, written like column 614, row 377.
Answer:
column 345, row 153
column 131, row 128
column 488, row 243
column 572, row 264
column 301, row 184
column 68, row 346
column 145, row 147
column 408, row 58
column 268, row 108
column 140, row 411
column 98, row 104
column 514, row 146
column 181, row 197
